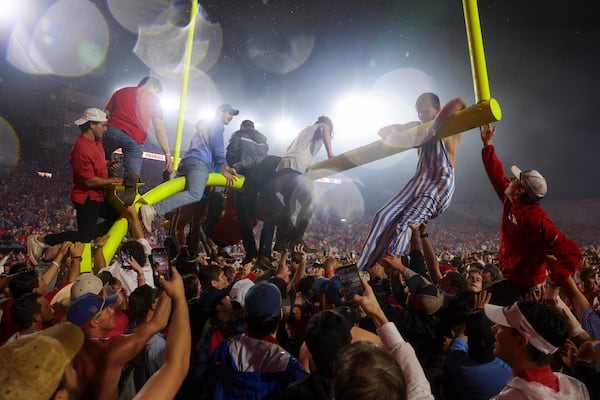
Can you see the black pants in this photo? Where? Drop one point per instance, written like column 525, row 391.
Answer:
column 245, row 202
column 295, row 187
column 88, row 227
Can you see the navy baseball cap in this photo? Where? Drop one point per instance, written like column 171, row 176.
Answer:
column 228, row 108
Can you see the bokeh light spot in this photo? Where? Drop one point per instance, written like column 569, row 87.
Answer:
column 162, row 44
column 69, row 39
column 9, row 148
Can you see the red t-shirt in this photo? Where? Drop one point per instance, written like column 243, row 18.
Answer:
column 7, row 326
column 132, row 109
column 87, row 161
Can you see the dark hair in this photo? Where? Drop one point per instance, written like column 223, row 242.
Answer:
column 208, row 274
column 136, row 251
column 549, row 323
column 151, row 81
column 458, row 281
column 190, row 286
column 247, row 124
column 25, row 282
column 327, row 121
column 428, row 98
column 24, row 308
column 85, row 127
column 261, row 324
column 140, row 301
column 19, row 267
column 586, row 273
column 326, row 333
column 367, row 371
column 305, row 286
column 106, row 277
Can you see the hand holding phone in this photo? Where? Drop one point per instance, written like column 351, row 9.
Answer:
column 124, row 257
column 159, row 258
column 350, row 280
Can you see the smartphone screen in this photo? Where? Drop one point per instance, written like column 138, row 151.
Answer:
column 350, row 280
column 124, row 256
column 160, row 264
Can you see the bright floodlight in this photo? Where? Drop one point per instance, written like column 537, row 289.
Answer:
column 207, row 113
column 169, row 103
column 285, row 130
column 357, row 118
column 10, row 10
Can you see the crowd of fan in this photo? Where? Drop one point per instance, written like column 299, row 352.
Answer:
column 234, row 313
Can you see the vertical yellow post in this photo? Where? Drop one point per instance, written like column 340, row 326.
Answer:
column 475, row 41
column 184, row 84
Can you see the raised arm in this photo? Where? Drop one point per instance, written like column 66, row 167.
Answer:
column 493, row 166
column 165, row 383
column 431, row 260
column 127, row 346
column 300, row 272
column 417, row 385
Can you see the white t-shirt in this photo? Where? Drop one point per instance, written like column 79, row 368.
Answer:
column 128, row 277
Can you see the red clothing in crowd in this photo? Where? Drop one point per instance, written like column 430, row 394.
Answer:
column 527, row 236
column 132, row 109
column 87, row 161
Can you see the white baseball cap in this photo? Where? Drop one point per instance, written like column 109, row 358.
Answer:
column 86, row 283
column 534, row 183
column 93, row 115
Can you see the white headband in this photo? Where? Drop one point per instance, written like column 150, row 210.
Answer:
column 517, row 320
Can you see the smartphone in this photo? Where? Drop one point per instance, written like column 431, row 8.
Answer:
column 124, row 255
column 159, row 258
column 350, row 280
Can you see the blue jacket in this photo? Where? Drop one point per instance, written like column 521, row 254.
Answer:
column 473, row 380
column 208, row 144
column 248, row 368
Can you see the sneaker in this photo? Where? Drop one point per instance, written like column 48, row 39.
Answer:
column 35, row 249
column 130, row 192
column 148, row 213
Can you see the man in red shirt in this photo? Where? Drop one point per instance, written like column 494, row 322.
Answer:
column 529, row 241
column 527, row 335
column 130, row 111
column 90, row 177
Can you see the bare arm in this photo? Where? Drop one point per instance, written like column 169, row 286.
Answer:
column 135, row 226
column 165, row 383
column 326, row 135
column 301, row 270
column 97, row 181
column 98, row 254
column 75, row 268
column 125, row 347
column 51, row 271
column 452, row 143
column 161, row 136
column 433, row 265
column 577, row 299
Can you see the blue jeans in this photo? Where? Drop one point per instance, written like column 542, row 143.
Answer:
column 196, row 175
column 132, row 150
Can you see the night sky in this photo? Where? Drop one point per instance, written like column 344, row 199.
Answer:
column 296, row 59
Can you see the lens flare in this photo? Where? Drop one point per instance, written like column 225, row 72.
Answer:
column 49, row 48
column 9, row 148
column 162, row 45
